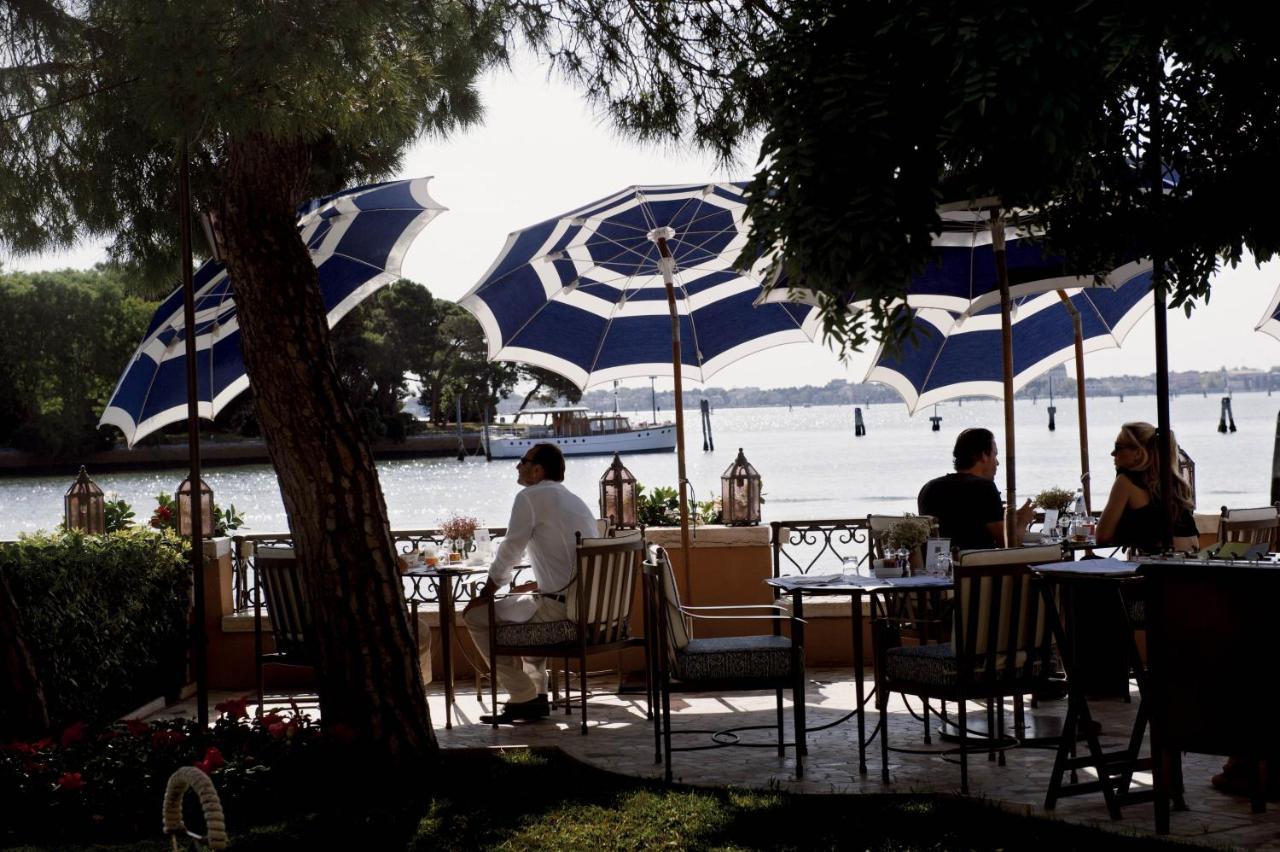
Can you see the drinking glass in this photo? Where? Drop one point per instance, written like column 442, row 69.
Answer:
column 942, row 566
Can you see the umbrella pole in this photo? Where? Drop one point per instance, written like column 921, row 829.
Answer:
column 1080, row 398
column 1006, row 335
column 667, row 265
column 199, row 661
column 1155, row 174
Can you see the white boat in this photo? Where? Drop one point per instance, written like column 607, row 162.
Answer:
column 579, row 432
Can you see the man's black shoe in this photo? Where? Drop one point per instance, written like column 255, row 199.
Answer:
column 520, row 711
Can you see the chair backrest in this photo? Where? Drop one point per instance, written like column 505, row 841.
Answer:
column 604, row 587
column 285, row 594
column 1001, row 628
column 672, row 627
column 879, row 525
column 1253, row 526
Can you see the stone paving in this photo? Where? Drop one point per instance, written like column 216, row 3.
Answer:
column 621, row 740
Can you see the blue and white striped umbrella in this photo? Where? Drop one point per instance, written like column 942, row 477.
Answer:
column 583, row 295
column 952, row 356
column 1270, row 322
column 358, row 240
column 961, row 277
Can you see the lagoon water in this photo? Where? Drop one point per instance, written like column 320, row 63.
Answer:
column 811, row 464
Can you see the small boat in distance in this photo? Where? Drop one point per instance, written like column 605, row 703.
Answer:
column 578, row 432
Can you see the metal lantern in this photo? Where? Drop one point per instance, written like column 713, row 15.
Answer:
column 740, row 493
column 618, row 495
column 84, row 505
column 184, row 508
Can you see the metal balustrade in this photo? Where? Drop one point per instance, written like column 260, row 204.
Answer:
column 244, row 584
column 819, row 547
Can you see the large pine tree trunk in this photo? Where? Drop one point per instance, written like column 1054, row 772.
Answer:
column 368, row 671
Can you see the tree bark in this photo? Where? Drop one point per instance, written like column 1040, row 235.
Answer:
column 23, row 712
column 368, row 671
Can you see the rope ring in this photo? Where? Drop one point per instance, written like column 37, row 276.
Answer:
column 190, row 778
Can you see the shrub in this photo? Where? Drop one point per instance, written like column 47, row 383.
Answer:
column 105, row 617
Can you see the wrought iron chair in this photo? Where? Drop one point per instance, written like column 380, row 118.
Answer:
column 1250, row 526
column 1000, row 646
column 682, row 663
column 282, row 587
column 598, row 599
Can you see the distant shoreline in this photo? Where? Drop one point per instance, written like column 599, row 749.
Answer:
column 221, row 452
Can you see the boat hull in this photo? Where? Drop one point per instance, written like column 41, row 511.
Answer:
column 656, row 439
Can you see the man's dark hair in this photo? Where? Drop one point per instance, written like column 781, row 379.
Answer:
column 972, row 445
column 549, row 457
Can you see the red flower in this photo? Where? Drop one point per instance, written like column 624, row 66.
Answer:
column 271, row 718
column 42, row 744
column 213, row 759
column 277, row 729
column 165, row 738
column 339, row 733
column 234, row 708
column 70, row 781
column 74, row 734
column 137, row 728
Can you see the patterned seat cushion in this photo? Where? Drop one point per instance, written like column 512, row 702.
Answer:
column 933, row 664
column 735, row 658
column 538, row 633
column 930, row 664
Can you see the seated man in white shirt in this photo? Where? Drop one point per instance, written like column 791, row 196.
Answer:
column 546, row 518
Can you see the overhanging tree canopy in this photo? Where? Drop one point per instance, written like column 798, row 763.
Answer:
column 874, row 112
column 277, row 102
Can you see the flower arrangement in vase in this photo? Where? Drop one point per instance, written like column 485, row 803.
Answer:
column 459, row 531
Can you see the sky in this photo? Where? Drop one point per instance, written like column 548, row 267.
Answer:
column 541, row 151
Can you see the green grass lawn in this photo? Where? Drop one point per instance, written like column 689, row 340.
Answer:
column 529, row 800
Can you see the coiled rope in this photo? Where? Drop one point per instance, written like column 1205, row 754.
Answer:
column 190, row 778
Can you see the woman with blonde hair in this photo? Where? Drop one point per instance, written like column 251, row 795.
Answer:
column 1134, row 516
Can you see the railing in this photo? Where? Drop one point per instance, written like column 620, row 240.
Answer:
column 801, row 546
column 244, row 586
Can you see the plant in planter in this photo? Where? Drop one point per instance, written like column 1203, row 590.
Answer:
column 1054, row 498
column 165, row 516
column 908, row 533
column 459, row 528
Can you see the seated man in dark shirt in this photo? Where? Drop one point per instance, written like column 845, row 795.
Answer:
column 967, row 503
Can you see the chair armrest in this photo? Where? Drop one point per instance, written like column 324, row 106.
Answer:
column 745, row 617
column 774, row 607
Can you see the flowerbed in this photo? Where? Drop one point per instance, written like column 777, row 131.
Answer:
column 88, row 785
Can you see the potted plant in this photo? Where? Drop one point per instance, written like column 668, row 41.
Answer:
column 459, row 532
column 910, row 534
column 1054, row 498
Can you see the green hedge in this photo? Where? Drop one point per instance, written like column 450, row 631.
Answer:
column 105, row 617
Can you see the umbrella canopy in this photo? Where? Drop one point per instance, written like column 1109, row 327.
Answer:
column 357, row 239
column 949, row 356
column 642, row 283
column 583, row 294
column 1270, row 322
column 961, row 278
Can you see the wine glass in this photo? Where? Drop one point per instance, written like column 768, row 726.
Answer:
column 942, row 565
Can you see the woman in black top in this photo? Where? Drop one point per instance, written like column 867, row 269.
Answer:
column 1134, row 517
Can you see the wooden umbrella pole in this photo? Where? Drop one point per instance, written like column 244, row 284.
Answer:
column 199, row 640
column 667, row 265
column 1080, row 399
column 1006, row 335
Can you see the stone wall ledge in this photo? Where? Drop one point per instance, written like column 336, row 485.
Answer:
column 709, row 536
